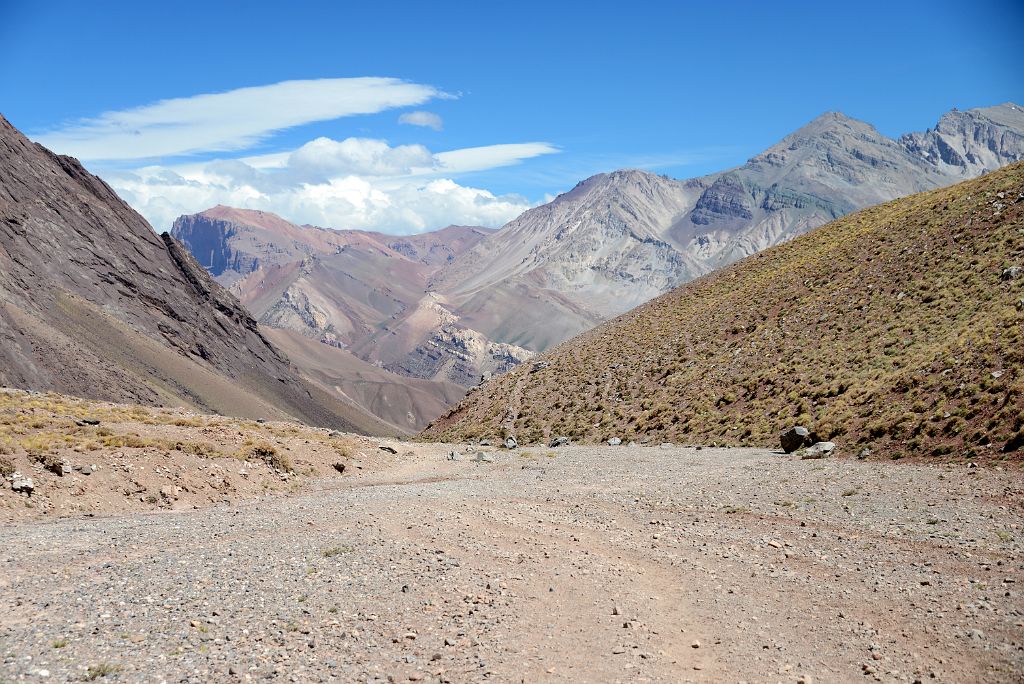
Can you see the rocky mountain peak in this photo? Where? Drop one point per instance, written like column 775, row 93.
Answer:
column 967, row 143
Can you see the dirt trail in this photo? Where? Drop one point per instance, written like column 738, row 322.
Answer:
column 600, row 564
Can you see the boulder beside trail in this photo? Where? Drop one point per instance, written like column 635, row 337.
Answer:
column 794, row 438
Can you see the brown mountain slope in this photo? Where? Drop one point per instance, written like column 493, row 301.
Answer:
column 94, row 303
column 354, row 290
column 898, row 328
column 405, row 404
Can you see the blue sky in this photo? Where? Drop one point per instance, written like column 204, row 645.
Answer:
column 678, row 88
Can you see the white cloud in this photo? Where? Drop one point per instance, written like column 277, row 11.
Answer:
column 352, row 183
column 325, row 158
column 233, row 120
column 491, row 156
column 421, row 118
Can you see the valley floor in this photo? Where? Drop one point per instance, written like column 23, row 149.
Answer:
column 578, row 564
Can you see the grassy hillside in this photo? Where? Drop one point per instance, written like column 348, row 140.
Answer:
column 896, row 328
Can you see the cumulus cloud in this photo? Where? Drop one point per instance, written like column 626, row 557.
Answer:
column 352, row 183
column 232, row 120
column 324, row 158
column 421, row 118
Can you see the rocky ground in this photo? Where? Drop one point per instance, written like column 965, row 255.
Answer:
column 574, row 564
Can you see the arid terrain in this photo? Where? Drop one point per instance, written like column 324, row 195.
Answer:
column 627, row 563
column 896, row 329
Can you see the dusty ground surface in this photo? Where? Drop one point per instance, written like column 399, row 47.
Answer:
column 89, row 457
column 578, row 564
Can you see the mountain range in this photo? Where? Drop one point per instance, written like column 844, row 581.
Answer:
column 448, row 307
column 94, row 303
column 897, row 330
column 617, row 240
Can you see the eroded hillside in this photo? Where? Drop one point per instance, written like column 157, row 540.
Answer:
column 896, row 329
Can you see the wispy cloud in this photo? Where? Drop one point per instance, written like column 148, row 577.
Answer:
column 491, row 156
column 232, row 120
column 421, row 118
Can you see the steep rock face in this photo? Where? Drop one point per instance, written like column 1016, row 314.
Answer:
column 231, row 243
column 209, row 241
column 619, row 239
column 969, row 143
column 94, row 303
column 450, row 352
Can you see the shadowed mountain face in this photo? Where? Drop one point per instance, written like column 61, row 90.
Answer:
column 94, row 303
column 897, row 328
column 619, row 239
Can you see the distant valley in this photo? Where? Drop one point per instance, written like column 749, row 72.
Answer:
column 415, row 321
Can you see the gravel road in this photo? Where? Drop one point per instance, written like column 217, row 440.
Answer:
column 578, row 564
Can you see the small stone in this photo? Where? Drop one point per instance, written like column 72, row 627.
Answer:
column 389, row 449
column 483, row 457
column 695, row 644
column 863, row 453
column 614, row 441
column 818, row 450
column 511, row 443
column 454, row 455
column 558, row 441
column 20, row 483
column 1011, row 273
column 666, row 445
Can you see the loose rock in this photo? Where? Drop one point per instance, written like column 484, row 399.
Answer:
column 794, row 438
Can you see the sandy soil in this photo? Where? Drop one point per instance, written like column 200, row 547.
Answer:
column 577, row 564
